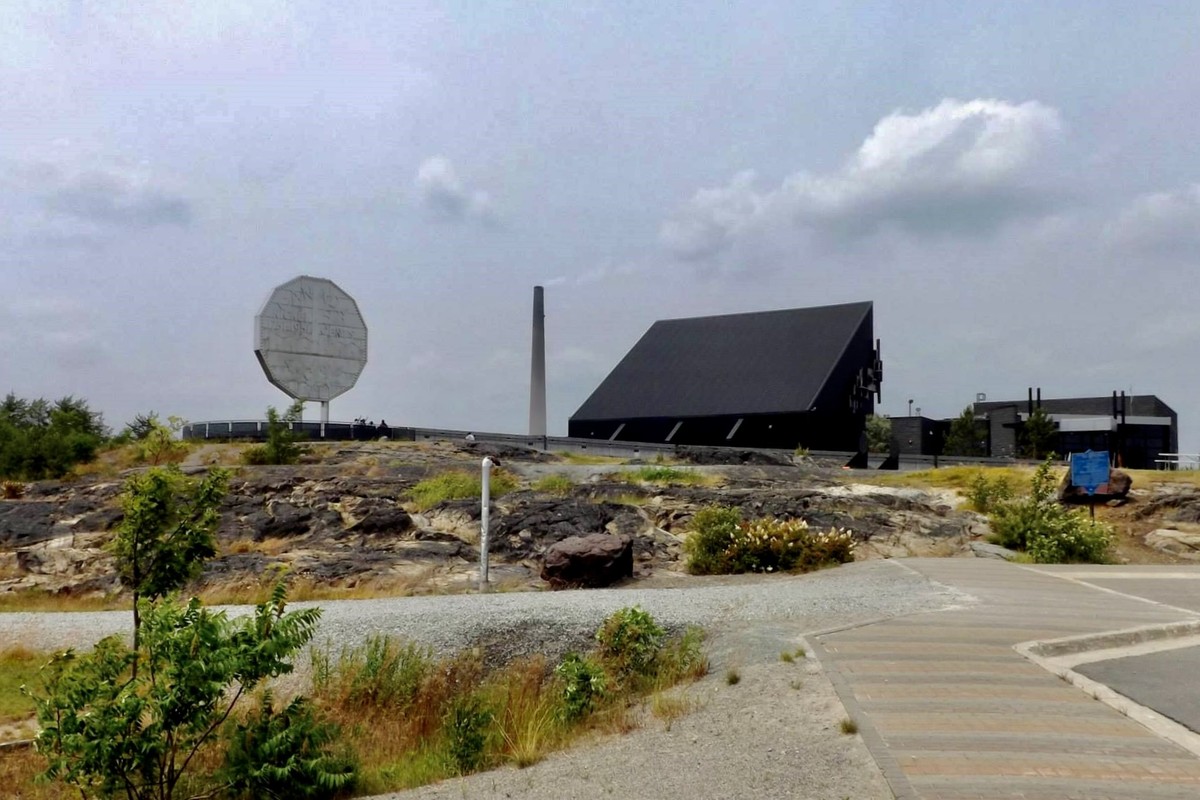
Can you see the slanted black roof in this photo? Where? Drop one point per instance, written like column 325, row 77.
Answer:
column 758, row 363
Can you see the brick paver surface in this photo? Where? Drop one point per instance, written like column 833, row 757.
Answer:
column 951, row 710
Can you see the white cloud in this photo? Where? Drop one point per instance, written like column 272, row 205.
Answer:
column 443, row 193
column 958, row 167
column 1167, row 222
column 73, row 202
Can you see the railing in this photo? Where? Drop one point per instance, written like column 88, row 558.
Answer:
column 1178, row 461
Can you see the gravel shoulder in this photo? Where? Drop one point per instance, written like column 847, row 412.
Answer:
column 763, row 737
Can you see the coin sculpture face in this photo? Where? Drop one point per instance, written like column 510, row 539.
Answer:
column 310, row 339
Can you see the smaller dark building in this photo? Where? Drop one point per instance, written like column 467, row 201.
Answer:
column 919, row 435
column 1135, row 429
column 797, row 377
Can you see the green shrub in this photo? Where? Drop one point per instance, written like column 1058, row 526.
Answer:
column 458, row 485
column 584, row 685
column 110, row 730
column 467, row 725
column 720, row 543
column 1049, row 532
column 629, row 642
column 712, row 528
column 39, row 439
column 985, row 493
column 558, row 485
column 284, row 754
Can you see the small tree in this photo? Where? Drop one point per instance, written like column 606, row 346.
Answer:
column 167, row 532
column 280, row 447
column 966, row 437
column 160, row 443
column 1038, row 435
column 879, row 434
column 140, row 427
column 110, row 731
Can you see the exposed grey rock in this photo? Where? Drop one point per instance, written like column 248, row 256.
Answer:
column 546, row 522
column 720, row 455
column 26, row 522
column 599, row 559
column 986, row 550
column 1185, row 545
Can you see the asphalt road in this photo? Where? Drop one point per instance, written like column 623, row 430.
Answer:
column 1166, row 682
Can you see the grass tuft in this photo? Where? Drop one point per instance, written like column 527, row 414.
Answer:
column 557, row 485
column 732, row 676
column 665, row 476
column 849, row 726
column 458, row 485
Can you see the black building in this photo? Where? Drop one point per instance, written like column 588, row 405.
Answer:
column 798, row 377
column 1135, row 429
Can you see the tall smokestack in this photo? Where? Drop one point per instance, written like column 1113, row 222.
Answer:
column 537, row 371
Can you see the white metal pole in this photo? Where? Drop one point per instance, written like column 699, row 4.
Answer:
column 485, row 500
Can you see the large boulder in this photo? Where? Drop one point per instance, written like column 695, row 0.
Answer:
column 599, row 559
column 1118, row 486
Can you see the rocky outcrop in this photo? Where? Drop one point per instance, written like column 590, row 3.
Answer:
column 720, row 456
column 343, row 520
column 1179, row 543
column 593, row 561
column 1173, row 506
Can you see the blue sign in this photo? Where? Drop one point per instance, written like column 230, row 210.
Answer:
column 1089, row 470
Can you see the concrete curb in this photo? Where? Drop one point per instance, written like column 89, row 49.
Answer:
column 1058, row 656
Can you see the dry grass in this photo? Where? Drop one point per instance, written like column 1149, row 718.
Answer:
column 849, row 726
column 955, row 477
column 302, row 588
column 589, row 459
column 1143, row 478
column 19, row 769
column 37, row 600
column 19, row 665
column 270, row 546
column 670, row 706
column 624, row 499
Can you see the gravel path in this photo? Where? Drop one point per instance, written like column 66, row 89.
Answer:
column 527, row 622
column 774, row 734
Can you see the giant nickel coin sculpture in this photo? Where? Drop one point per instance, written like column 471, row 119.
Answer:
column 311, row 340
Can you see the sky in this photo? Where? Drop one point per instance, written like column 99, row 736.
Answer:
column 1015, row 185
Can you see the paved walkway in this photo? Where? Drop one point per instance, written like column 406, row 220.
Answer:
column 950, row 710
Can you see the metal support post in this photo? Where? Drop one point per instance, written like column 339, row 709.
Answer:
column 486, row 501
